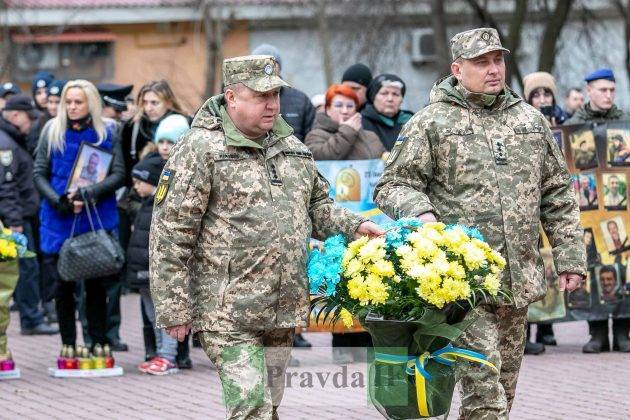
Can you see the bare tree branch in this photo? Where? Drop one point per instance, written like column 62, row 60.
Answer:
column 553, row 29
column 486, row 19
column 324, row 40
column 624, row 10
column 438, row 23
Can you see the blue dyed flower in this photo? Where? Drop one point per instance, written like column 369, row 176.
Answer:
column 324, row 267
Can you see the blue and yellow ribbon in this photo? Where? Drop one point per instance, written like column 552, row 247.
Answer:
column 447, row 355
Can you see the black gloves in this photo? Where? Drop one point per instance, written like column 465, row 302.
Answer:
column 63, row 205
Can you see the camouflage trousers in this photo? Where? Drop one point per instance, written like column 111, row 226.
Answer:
column 499, row 333
column 9, row 273
column 251, row 366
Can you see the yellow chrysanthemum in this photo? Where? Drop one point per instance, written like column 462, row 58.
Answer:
column 346, row 317
column 455, row 238
column 377, row 290
column 473, row 255
column 456, row 270
column 440, row 262
column 353, row 267
column 404, row 250
column 373, row 250
column 491, row 283
column 7, row 249
column 355, row 246
column 357, row 289
column 383, row 268
column 433, row 232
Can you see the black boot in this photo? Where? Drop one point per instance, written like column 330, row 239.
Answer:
column 299, row 341
column 599, row 337
column 621, row 342
column 533, row 349
column 150, row 351
column 544, row 335
column 183, row 354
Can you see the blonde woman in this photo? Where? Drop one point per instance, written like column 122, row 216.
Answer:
column 78, row 121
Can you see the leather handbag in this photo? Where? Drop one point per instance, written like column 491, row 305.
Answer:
column 91, row 255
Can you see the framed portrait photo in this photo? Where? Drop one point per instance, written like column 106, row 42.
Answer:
column 558, row 135
column 592, row 255
column 608, row 283
column 618, row 147
column 615, row 191
column 552, row 305
column 581, row 298
column 615, row 235
column 91, row 166
column 584, row 150
column 585, row 185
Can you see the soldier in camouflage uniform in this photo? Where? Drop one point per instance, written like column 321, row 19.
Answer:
column 237, row 202
column 479, row 155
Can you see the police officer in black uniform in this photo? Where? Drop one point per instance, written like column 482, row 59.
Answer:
column 19, row 205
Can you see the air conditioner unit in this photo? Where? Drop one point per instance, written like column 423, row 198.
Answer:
column 423, row 46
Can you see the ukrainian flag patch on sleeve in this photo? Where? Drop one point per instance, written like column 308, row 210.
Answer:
column 163, row 186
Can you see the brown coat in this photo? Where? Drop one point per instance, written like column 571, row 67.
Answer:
column 329, row 140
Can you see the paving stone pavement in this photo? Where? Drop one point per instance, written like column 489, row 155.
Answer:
column 561, row 384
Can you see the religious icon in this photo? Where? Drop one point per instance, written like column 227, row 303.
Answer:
column 348, row 185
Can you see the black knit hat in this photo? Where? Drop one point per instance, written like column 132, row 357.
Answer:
column 21, row 103
column 149, row 169
column 379, row 81
column 358, row 73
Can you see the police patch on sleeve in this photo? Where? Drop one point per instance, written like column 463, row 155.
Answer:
column 393, row 155
column 6, row 157
column 163, row 186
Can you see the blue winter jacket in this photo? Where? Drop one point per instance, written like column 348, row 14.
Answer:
column 51, row 177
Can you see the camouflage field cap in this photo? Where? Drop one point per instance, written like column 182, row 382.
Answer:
column 476, row 42
column 258, row 72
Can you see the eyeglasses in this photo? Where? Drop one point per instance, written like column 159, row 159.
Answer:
column 347, row 105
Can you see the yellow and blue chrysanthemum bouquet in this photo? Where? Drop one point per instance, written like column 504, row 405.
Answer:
column 13, row 246
column 411, row 289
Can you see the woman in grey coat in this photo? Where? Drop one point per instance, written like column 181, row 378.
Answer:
column 337, row 133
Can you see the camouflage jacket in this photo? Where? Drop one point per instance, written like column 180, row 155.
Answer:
column 585, row 114
column 496, row 168
column 228, row 243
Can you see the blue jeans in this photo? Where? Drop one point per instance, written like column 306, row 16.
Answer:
column 26, row 293
column 166, row 345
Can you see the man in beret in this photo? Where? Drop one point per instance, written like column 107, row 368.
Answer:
column 236, row 204
column 480, row 156
column 600, row 88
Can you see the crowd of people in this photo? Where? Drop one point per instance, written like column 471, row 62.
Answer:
column 41, row 134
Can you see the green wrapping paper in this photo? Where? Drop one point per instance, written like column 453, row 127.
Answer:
column 392, row 389
column 9, row 273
